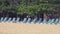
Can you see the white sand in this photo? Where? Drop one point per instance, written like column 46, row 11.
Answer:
column 20, row 28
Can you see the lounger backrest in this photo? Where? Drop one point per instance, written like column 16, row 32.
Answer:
column 17, row 20
column 25, row 20
column 56, row 21
column 2, row 18
column 52, row 21
column 39, row 20
column 5, row 19
column 9, row 19
column 13, row 19
column 34, row 20
column 29, row 19
column 44, row 20
column 49, row 20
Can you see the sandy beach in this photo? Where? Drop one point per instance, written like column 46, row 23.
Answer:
column 20, row 28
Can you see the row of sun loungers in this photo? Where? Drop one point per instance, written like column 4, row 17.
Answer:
column 29, row 20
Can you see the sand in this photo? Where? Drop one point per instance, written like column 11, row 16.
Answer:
column 20, row 28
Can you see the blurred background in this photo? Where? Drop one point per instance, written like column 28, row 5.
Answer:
column 48, row 9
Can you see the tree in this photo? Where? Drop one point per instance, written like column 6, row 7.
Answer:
column 30, row 7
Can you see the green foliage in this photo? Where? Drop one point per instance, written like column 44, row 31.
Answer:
column 28, row 6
